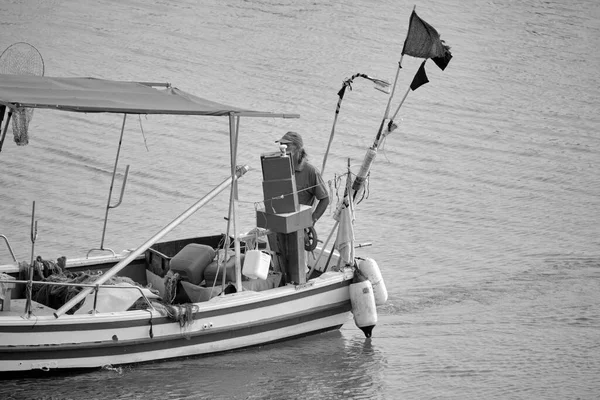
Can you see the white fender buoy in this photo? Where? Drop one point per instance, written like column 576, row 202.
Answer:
column 370, row 269
column 363, row 306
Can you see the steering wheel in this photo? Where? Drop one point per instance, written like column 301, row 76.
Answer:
column 310, row 238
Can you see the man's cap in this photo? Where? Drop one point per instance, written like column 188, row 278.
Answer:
column 292, row 137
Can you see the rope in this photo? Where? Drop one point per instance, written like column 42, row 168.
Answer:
column 171, row 281
column 55, row 296
column 281, row 196
column 182, row 313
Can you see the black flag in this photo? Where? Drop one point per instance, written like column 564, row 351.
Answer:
column 443, row 61
column 423, row 41
column 420, row 78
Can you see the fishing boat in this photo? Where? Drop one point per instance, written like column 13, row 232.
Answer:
column 179, row 298
column 199, row 295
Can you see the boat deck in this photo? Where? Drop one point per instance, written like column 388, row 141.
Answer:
column 17, row 308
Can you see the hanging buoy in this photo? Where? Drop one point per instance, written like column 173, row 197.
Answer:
column 363, row 306
column 370, row 269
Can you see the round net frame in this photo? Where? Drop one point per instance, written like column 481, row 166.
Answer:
column 21, row 58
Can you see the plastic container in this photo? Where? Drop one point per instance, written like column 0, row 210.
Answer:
column 256, row 264
column 214, row 272
column 191, row 262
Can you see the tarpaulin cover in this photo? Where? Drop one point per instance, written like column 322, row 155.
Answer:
column 100, row 95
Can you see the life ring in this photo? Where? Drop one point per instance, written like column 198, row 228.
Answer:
column 310, row 238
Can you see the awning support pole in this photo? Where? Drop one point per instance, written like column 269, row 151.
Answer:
column 10, row 113
column 234, row 124
column 112, row 183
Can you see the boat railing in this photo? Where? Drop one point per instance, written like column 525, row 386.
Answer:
column 107, row 249
column 95, row 287
column 12, row 253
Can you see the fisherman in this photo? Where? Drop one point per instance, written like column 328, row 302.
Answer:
column 309, row 182
column 311, row 191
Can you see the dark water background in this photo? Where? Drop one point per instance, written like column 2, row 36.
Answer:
column 483, row 207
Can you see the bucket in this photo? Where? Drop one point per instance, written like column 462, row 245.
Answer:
column 256, row 264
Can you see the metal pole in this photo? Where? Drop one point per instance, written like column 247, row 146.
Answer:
column 380, row 85
column 10, row 113
column 234, row 124
column 29, row 292
column 398, row 109
column 323, row 248
column 112, row 182
column 222, row 263
column 337, row 112
column 133, row 255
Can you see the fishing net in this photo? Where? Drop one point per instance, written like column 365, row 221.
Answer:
column 21, row 59
column 55, row 296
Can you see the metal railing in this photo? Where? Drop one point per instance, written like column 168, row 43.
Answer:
column 12, row 253
column 95, row 287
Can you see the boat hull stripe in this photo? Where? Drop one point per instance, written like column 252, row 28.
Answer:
column 103, row 349
column 115, row 325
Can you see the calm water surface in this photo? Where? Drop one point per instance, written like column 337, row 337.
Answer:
column 482, row 208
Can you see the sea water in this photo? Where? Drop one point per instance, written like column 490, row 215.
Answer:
column 482, row 208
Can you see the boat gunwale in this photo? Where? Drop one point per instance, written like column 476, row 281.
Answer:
column 228, row 304
column 80, row 262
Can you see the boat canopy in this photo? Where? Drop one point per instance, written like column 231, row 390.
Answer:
column 92, row 95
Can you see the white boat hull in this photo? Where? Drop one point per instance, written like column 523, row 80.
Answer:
column 224, row 323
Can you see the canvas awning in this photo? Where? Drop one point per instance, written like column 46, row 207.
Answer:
column 90, row 95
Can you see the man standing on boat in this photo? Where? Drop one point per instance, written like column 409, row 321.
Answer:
column 310, row 188
column 309, row 182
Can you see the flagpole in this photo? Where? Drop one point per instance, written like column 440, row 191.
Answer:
column 402, row 102
column 428, row 30
column 419, row 80
column 372, row 151
column 351, row 208
column 419, row 47
column 391, row 125
column 387, row 108
column 341, row 93
column 379, row 85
